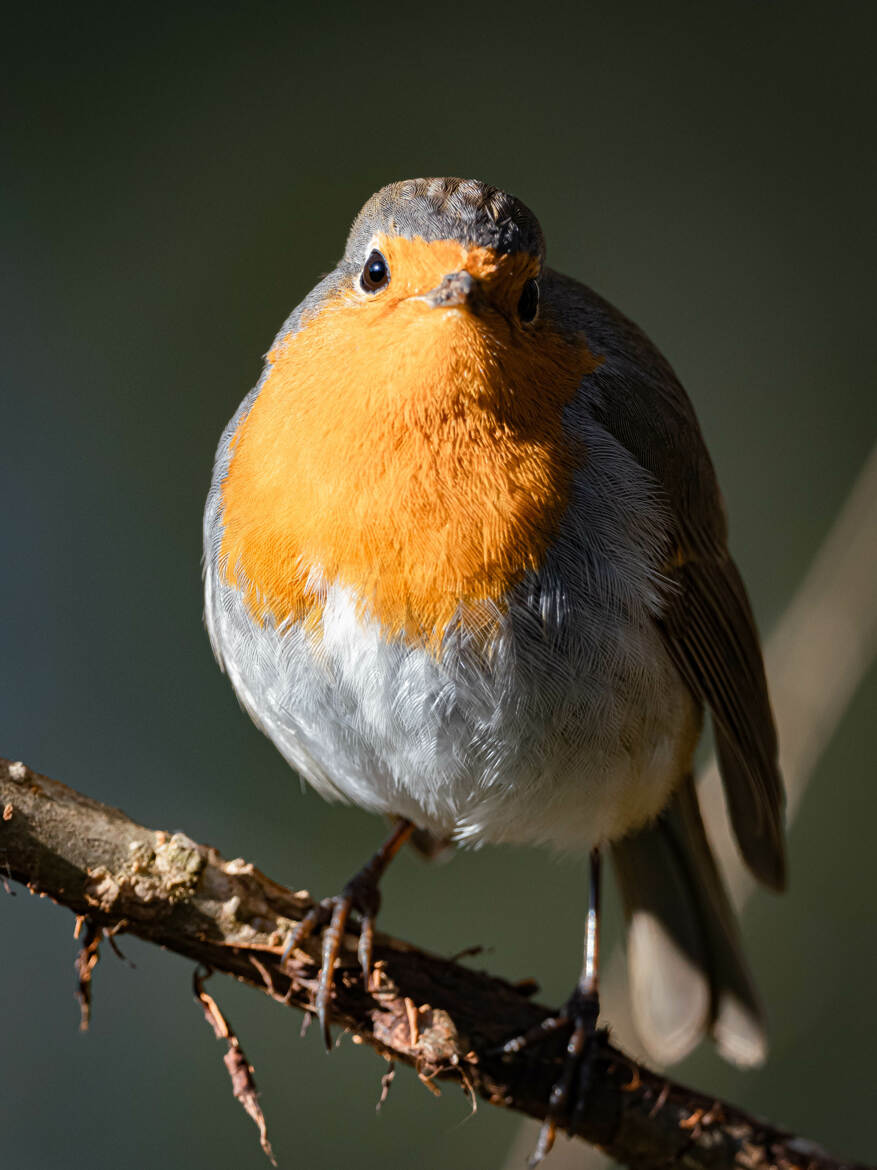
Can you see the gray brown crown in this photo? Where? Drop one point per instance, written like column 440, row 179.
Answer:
column 448, row 209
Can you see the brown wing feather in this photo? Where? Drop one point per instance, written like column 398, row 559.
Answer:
column 710, row 632
column 708, row 625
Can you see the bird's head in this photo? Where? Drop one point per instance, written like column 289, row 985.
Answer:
column 429, row 255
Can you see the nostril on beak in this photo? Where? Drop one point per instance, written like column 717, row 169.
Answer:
column 457, row 288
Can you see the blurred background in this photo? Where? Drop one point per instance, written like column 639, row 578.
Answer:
column 175, row 180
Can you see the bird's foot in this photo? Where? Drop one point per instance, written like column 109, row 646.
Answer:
column 360, row 896
column 569, row 1096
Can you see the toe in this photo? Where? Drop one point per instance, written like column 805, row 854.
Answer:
column 332, row 939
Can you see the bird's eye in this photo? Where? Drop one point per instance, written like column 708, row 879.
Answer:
column 528, row 305
column 376, row 274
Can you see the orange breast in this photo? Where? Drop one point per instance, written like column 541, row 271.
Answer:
column 415, row 455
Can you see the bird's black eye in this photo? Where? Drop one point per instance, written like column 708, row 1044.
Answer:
column 528, row 305
column 375, row 274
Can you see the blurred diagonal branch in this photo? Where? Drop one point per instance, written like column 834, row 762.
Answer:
column 443, row 1019
column 816, row 659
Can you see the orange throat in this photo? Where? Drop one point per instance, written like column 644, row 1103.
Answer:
column 413, row 455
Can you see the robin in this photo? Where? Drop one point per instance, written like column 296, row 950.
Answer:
column 466, row 566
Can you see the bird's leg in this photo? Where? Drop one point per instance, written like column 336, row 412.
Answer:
column 580, row 1012
column 362, row 895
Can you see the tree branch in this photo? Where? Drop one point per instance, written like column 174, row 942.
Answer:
column 441, row 1018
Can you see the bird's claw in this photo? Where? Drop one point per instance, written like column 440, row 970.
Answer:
column 579, row 1015
column 361, row 895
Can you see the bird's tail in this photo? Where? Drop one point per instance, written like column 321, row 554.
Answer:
column 688, row 976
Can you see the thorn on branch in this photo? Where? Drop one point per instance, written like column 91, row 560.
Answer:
column 110, row 933
column 269, row 982
column 86, row 961
column 386, row 1082
column 469, row 952
column 239, row 1068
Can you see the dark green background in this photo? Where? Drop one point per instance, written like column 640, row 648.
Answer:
column 174, row 180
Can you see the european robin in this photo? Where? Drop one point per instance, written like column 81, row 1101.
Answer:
column 466, row 566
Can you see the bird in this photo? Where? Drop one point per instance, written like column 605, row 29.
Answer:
column 466, row 565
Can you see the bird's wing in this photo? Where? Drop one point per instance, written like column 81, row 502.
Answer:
column 710, row 632
column 708, row 625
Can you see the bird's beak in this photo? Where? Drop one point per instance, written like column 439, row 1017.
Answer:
column 457, row 289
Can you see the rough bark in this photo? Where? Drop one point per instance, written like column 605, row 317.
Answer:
column 442, row 1018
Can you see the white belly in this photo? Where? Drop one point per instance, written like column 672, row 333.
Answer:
column 571, row 738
